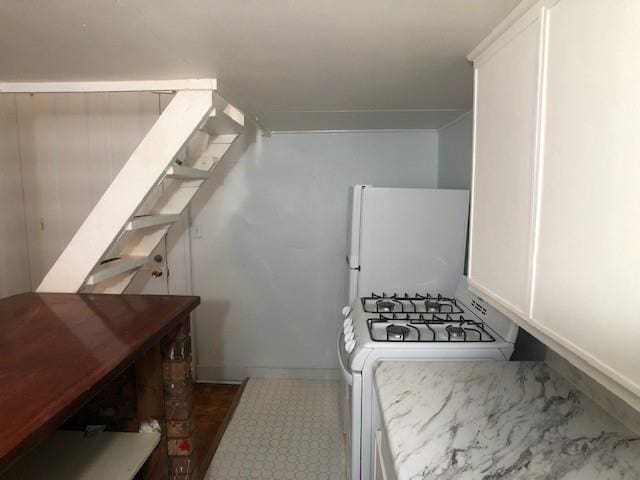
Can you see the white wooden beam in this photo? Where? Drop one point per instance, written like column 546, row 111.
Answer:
column 515, row 14
column 124, row 86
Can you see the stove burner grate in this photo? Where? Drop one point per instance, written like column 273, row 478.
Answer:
column 406, row 303
column 457, row 328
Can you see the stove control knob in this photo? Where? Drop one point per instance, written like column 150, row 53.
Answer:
column 346, row 311
column 347, row 322
column 348, row 337
column 350, row 345
column 348, row 330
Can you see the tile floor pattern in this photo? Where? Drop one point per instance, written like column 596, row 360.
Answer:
column 283, row 429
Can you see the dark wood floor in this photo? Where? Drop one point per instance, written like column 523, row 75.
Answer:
column 214, row 404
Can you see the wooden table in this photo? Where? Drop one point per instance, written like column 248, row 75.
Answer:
column 58, row 350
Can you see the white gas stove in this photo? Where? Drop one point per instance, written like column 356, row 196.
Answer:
column 393, row 326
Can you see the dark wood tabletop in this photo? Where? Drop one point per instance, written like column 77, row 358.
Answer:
column 58, row 350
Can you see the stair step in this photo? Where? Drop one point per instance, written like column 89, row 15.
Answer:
column 187, row 173
column 145, row 221
column 221, row 124
column 235, row 114
column 115, row 267
column 224, row 138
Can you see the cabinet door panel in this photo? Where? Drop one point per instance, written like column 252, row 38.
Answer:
column 504, row 152
column 586, row 282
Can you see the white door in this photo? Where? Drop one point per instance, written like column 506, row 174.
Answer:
column 152, row 279
column 506, row 98
column 588, row 250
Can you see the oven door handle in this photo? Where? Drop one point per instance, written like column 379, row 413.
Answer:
column 346, row 374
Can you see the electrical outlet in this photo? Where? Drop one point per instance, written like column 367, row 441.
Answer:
column 196, row 230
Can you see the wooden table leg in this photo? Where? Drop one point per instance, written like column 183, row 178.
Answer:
column 150, row 402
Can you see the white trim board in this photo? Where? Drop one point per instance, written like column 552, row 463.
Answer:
column 495, row 38
column 116, row 86
column 455, row 120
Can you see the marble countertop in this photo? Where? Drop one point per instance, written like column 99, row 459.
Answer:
column 498, row 420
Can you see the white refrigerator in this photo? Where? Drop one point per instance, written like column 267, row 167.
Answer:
column 405, row 240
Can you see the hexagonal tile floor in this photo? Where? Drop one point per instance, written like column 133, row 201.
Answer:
column 283, row 429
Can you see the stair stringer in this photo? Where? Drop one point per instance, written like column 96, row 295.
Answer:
column 128, row 191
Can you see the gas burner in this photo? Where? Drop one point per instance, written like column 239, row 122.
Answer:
column 397, row 332
column 387, row 306
column 456, row 333
column 432, row 306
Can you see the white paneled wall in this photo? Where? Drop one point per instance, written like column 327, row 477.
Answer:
column 14, row 265
column 71, row 147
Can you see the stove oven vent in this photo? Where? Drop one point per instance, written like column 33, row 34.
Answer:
column 479, row 306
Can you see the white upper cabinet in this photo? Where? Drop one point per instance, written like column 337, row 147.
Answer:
column 555, row 228
column 587, row 257
column 506, row 97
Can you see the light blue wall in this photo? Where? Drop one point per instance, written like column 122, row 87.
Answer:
column 270, row 264
column 455, row 154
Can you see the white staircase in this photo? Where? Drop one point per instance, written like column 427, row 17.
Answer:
column 165, row 171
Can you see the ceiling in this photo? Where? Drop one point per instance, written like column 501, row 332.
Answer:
column 295, row 64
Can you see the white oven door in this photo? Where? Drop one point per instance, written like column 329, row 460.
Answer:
column 346, row 384
column 346, row 402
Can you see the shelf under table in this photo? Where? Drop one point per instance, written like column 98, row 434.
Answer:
column 71, row 456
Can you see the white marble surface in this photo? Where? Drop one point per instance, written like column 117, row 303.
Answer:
column 498, row 420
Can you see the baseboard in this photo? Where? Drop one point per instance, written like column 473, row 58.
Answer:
column 209, row 373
